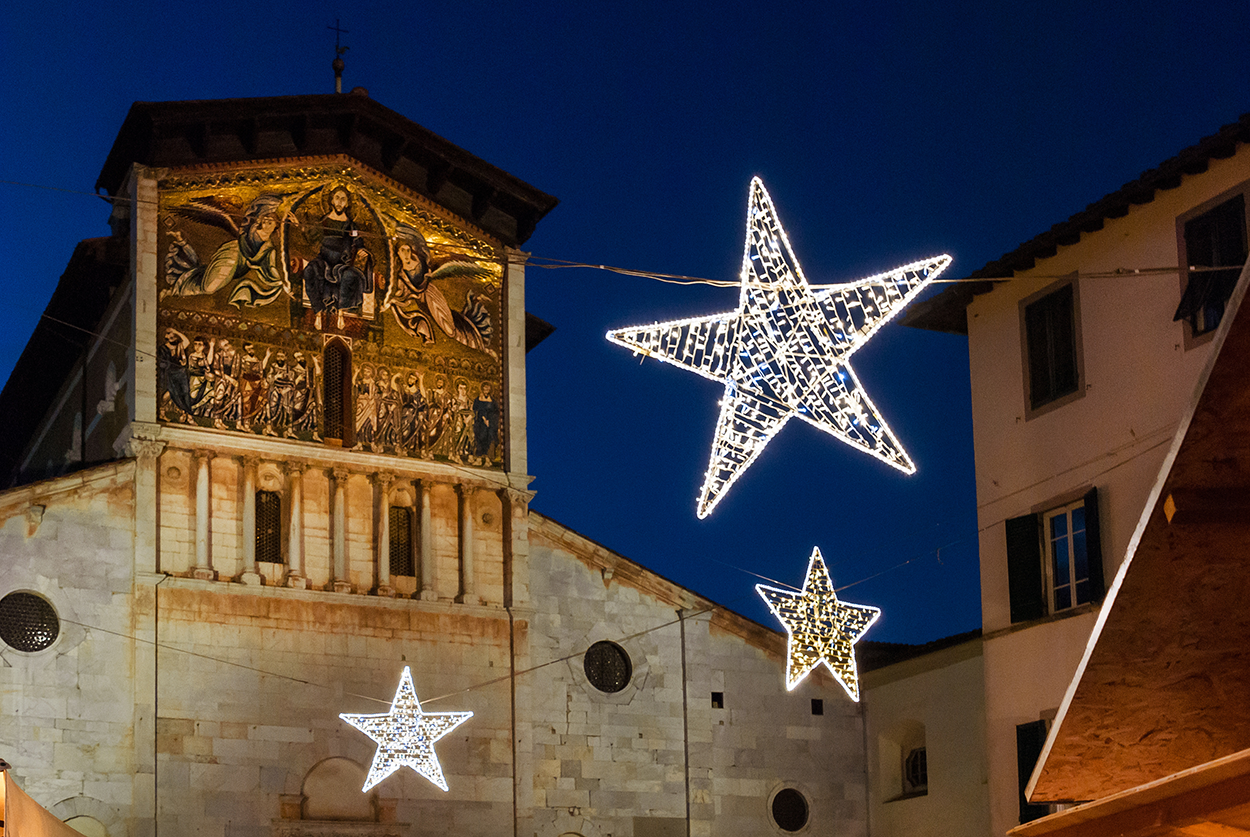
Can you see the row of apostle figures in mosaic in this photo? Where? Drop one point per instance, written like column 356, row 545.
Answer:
column 305, row 261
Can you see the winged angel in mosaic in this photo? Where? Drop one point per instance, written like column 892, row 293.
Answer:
column 785, row 352
column 249, row 259
column 418, row 304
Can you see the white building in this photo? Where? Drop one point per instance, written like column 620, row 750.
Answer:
column 1085, row 345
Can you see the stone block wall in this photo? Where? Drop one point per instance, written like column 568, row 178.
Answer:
column 67, row 711
column 642, row 760
column 251, row 682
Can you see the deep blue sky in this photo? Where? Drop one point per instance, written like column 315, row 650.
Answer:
column 886, row 132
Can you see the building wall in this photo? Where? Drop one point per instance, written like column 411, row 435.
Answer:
column 621, row 763
column 251, row 683
column 67, row 712
column 1139, row 374
column 936, row 701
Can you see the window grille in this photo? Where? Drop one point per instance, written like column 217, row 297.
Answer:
column 334, row 379
column 401, row 541
column 28, row 622
column 607, row 667
column 269, row 527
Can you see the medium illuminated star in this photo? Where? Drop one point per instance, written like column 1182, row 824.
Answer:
column 821, row 628
column 785, row 351
column 406, row 735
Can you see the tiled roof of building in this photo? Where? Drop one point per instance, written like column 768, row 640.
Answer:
column 945, row 311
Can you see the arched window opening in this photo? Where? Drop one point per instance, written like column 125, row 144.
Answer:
column 401, row 541
column 336, row 393
column 269, row 526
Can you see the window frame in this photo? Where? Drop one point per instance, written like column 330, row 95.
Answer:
column 921, row 755
column 1031, row 410
column 1049, row 562
column 1194, row 339
column 1030, row 574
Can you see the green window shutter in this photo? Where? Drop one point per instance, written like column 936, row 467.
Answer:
column 1024, row 569
column 1030, row 739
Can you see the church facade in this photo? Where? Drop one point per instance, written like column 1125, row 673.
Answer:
column 288, row 464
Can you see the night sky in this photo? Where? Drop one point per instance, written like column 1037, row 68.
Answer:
column 886, row 132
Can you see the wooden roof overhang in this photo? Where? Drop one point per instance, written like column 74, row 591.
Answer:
column 1164, row 684
column 173, row 134
column 1209, row 800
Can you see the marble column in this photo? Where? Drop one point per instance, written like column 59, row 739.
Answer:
column 203, row 509
column 429, row 569
column 295, row 576
column 338, row 539
column 382, row 534
column 249, row 574
column 468, row 595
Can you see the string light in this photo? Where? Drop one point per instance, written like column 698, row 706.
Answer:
column 405, row 735
column 785, row 351
column 821, row 629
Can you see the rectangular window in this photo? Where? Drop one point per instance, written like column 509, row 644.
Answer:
column 718, row 700
column 818, row 706
column 269, row 526
column 1214, row 253
column 401, row 541
column 1030, row 740
column 1052, row 356
column 1054, row 559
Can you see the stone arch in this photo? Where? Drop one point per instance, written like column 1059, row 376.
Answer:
column 94, row 818
column 331, row 791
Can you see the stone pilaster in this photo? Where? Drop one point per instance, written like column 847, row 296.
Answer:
column 144, row 267
column 513, row 396
column 516, row 546
column 147, row 477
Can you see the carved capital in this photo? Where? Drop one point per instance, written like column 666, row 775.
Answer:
column 145, row 450
column 294, row 467
column 251, row 462
column 203, row 456
column 341, row 474
column 465, row 490
column 383, row 480
column 514, row 498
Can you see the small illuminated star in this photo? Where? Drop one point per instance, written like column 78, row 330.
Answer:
column 406, row 735
column 785, row 351
column 821, row 628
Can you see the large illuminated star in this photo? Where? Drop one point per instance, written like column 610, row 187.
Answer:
column 406, row 735
column 785, row 351
column 821, row 628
